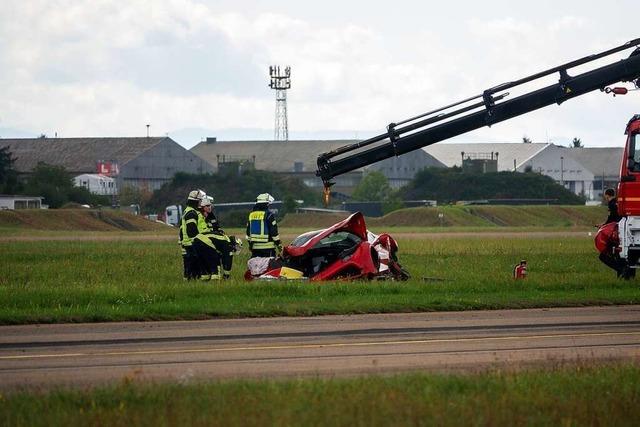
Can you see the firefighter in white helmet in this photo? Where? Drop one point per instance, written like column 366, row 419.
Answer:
column 213, row 247
column 188, row 232
column 262, row 229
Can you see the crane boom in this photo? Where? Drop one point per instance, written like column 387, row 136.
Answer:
column 478, row 111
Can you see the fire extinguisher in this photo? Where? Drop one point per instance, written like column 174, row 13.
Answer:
column 520, row 270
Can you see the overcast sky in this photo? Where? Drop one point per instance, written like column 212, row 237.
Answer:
column 193, row 68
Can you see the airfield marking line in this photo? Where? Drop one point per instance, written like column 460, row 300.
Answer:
column 308, row 346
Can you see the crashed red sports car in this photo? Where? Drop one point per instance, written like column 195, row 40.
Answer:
column 346, row 250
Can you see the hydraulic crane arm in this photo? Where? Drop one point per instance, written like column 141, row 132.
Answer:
column 485, row 109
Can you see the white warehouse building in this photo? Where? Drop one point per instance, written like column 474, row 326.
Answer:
column 584, row 171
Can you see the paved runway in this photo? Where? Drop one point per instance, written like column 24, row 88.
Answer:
column 89, row 354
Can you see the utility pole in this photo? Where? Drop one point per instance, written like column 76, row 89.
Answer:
column 280, row 82
column 562, row 171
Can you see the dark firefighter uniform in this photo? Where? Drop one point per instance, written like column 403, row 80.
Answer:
column 213, row 247
column 188, row 232
column 262, row 232
column 609, row 257
column 612, row 207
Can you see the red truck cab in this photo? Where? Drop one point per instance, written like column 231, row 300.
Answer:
column 629, row 186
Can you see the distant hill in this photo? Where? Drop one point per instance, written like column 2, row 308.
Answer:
column 467, row 216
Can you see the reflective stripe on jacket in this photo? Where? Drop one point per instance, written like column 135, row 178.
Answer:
column 262, row 230
column 190, row 216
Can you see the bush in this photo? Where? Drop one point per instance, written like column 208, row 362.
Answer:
column 226, row 188
column 451, row 185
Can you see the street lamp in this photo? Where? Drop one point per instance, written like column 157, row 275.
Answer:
column 562, row 171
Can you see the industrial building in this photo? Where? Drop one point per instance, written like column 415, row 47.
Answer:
column 145, row 162
column 584, row 171
column 14, row 201
column 298, row 159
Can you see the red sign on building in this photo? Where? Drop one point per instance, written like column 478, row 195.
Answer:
column 108, row 168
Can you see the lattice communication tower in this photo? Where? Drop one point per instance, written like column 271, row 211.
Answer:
column 280, row 82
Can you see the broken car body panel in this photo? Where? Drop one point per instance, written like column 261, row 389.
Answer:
column 346, row 250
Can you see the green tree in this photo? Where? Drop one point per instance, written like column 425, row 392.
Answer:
column 576, row 143
column 526, row 140
column 51, row 182
column 236, row 188
column 8, row 175
column 288, row 204
column 131, row 195
column 56, row 186
column 374, row 187
column 450, row 185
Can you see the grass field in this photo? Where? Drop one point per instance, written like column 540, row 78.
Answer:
column 73, row 281
column 561, row 396
column 581, row 217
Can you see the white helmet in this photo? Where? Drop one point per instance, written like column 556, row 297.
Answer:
column 197, row 195
column 264, row 198
column 206, row 201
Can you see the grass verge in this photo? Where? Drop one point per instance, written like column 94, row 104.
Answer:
column 577, row 395
column 79, row 281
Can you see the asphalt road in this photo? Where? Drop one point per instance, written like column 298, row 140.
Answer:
column 90, row 354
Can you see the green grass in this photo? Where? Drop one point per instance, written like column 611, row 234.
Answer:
column 74, row 281
column 566, row 396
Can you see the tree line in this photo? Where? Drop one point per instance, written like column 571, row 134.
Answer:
column 53, row 183
column 445, row 185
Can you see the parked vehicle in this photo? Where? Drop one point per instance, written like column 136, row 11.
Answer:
column 624, row 236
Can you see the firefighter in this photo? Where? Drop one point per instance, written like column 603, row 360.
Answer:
column 262, row 229
column 188, row 231
column 211, row 219
column 609, row 256
column 612, row 206
column 215, row 248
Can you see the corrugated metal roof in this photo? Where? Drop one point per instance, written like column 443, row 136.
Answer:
column 450, row 154
column 598, row 161
column 76, row 154
column 277, row 156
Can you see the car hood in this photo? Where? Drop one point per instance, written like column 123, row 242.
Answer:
column 354, row 224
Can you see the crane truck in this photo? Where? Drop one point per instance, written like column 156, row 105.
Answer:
column 494, row 106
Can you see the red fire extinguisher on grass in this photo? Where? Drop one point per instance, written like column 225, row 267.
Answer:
column 520, row 270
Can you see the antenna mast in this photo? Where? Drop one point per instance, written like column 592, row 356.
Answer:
column 280, row 82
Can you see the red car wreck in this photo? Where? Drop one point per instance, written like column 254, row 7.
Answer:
column 344, row 251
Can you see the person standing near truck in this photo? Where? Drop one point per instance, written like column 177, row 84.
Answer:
column 608, row 255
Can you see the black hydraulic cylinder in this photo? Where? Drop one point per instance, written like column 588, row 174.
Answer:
column 569, row 87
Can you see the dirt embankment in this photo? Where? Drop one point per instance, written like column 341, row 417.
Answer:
column 467, row 216
column 76, row 220
column 445, row 216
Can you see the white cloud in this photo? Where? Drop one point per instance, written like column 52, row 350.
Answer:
column 108, row 67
